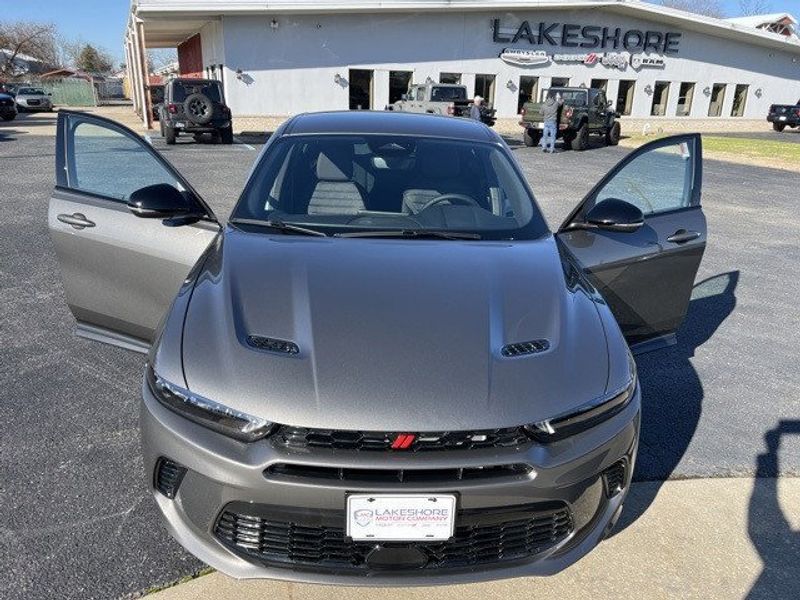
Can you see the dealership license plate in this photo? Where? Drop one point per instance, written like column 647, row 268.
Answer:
column 401, row 517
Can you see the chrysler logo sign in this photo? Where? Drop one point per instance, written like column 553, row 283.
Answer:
column 524, row 58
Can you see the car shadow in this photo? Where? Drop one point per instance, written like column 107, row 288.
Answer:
column 672, row 393
column 8, row 135
column 772, row 535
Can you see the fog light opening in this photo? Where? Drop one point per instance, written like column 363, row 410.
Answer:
column 167, row 477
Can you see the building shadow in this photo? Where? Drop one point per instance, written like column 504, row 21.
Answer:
column 772, row 535
column 672, row 393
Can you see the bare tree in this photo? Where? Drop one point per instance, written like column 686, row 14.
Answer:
column 29, row 39
column 161, row 57
column 754, row 7
column 709, row 8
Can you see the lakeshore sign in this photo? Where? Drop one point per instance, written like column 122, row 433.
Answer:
column 590, row 37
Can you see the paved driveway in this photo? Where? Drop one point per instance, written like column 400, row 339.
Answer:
column 75, row 521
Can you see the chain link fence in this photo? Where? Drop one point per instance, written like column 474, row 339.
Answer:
column 71, row 92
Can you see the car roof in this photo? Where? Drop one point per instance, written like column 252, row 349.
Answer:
column 390, row 122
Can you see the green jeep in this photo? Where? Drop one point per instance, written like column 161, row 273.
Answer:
column 585, row 111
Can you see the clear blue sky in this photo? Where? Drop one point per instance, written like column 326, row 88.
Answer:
column 102, row 22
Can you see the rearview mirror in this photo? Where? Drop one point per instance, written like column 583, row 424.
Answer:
column 160, row 201
column 613, row 214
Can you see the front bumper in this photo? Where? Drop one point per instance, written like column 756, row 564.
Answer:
column 42, row 105
column 223, row 474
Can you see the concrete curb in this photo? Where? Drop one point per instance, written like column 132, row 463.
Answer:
column 702, row 538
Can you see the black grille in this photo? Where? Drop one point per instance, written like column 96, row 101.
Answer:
column 522, row 348
column 301, row 438
column 481, row 537
column 168, row 476
column 614, row 477
column 282, row 470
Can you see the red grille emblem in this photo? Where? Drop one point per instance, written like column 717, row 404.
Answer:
column 403, row 441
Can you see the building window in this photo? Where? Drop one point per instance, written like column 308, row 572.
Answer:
column 625, row 96
column 660, row 99
column 559, row 82
column 484, row 87
column 717, row 98
column 685, row 97
column 360, row 89
column 600, row 84
column 739, row 100
column 398, row 85
column 528, row 90
column 454, row 78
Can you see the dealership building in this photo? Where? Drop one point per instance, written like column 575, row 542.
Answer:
column 283, row 57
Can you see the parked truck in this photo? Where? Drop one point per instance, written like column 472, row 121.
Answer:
column 784, row 115
column 441, row 99
column 585, row 112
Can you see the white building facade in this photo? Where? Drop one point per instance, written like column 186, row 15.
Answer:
column 282, row 58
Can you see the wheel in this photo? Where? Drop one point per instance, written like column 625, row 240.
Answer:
column 10, row 117
column 170, row 134
column 778, row 126
column 199, row 109
column 226, row 135
column 581, row 139
column 568, row 137
column 161, row 126
column 612, row 135
column 531, row 137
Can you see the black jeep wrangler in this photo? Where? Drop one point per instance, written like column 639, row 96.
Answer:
column 195, row 106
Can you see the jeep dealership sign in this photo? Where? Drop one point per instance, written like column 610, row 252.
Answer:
column 589, row 37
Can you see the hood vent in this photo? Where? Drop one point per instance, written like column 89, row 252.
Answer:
column 523, row 348
column 272, row 345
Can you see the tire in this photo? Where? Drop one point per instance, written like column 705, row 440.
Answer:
column 170, row 134
column 581, row 140
column 779, row 127
column 612, row 135
column 226, row 135
column 199, row 109
column 531, row 138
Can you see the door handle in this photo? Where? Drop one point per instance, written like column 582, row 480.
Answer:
column 682, row 236
column 77, row 220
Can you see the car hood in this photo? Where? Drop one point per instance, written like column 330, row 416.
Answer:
column 392, row 334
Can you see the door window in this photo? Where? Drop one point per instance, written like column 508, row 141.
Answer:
column 484, row 87
column 106, row 162
column 657, row 181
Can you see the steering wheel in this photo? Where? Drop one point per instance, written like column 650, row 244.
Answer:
column 459, row 199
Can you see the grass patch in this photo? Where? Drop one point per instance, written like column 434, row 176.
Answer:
column 187, row 578
column 752, row 148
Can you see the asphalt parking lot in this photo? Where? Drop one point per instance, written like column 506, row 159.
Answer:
column 75, row 519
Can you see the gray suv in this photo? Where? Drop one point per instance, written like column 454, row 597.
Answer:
column 384, row 369
column 195, row 107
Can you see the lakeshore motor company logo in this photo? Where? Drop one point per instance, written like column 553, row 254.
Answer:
column 363, row 517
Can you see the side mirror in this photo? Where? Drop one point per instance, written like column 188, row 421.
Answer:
column 160, row 201
column 613, row 214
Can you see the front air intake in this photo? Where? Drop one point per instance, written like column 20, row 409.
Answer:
column 614, row 478
column 523, row 348
column 168, row 476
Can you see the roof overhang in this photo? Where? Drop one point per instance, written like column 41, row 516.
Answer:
column 181, row 13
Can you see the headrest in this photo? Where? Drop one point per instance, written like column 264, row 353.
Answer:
column 334, row 166
column 435, row 162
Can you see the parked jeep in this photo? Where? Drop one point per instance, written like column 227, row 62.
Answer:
column 784, row 115
column 441, row 99
column 585, row 111
column 195, row 106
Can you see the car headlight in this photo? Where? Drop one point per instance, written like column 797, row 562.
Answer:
column 207, row 413
column 586, row 416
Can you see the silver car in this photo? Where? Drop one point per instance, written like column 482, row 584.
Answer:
column 29, row 99
column 385, row 368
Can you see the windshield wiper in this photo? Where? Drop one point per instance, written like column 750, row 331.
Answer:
column 279, row 225
column 413, row 233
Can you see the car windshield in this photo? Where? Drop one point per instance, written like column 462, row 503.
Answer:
column 391, row 184
column 447, row 94
column 183, row 89
column 574, row 97
column 30, row 92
